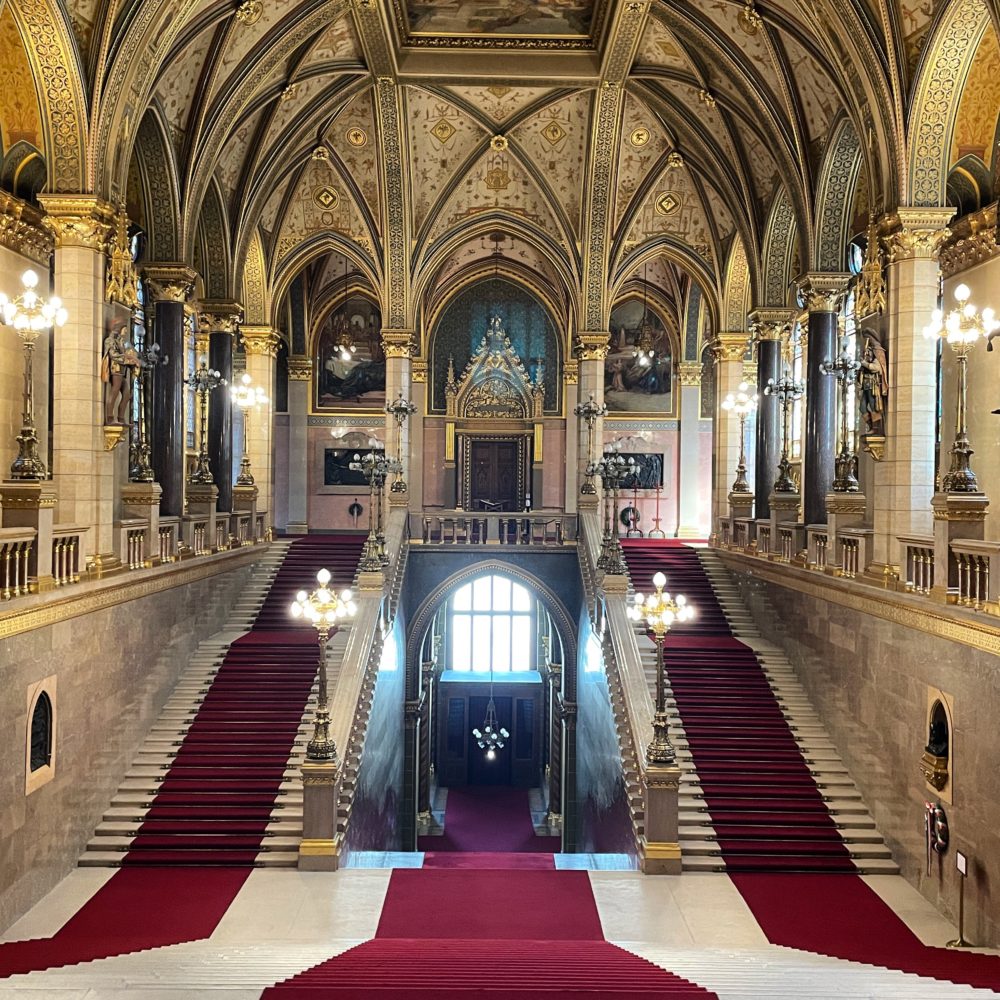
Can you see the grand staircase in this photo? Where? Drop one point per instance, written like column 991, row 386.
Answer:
column 217, row 780
column 763, row 787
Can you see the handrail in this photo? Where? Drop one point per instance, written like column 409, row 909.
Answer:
column 460, row 527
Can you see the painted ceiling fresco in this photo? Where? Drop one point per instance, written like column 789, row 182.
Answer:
column 574, row 18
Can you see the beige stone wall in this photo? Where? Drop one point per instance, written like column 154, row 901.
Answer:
column 869, row 680
column 114, row 671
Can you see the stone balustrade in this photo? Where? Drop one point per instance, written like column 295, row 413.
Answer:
column 817, row 547
column 460, row 528
column 919, row 571
column 67, row 544
column 16, row 546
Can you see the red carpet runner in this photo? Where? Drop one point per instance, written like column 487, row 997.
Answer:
column 216, row 800
column 766, row 808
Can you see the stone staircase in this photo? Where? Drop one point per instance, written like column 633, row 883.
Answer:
column 127, row 812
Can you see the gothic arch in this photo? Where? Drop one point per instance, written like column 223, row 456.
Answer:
column 835, row 198
column 737, row 302
column 252, row 282
column 158, row 176
column 938, row 85
column 779, row 248
column 308, row 250
column 213, row 245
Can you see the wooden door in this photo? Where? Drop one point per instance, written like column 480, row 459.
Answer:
column 494, row 480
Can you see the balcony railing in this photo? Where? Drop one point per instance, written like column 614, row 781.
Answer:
column 818, row 544
column 919, row 551
column 16, row 546
column 67, row 542
column 464, row 529
column 978, row 573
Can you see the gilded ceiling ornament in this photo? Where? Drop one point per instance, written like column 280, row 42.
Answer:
column 675, row 160
column 443, row 130
column 499, row 143
column 327, row 198
column 498, row 92
column 357, row 136
column 553, row 133
column 749, row 18
column 321, row 154
column 639, row 136
column 667, row 203
column 249, row 12
column 707, row 98
column 869, row 298
column 289, row 92
column 122, row 283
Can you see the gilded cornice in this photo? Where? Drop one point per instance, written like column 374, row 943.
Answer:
column 219, row 316
column 689, row 373
column 300, row 369
column 823, row 293
column 78, row 220
column 397, row 343
column 260, row 340
column 771, row 324
column 593, row 346
column 916, row 233
column 169, row 282
column 730, row 346
column 22, row 229
column 973, row 240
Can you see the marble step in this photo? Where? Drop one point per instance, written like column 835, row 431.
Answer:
column 859, row 826
column 866, row 849
column 865, row 866
column 265, row 859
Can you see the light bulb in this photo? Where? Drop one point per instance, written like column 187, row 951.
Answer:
column 490, row 755
column 659, row 581
column 29, row 279
column 301, row 597
column 323, row 576
column 638, row 598
column 962, row 293
column 681, row 600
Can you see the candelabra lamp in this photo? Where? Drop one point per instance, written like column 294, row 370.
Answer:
column 591, row 411
column 845, row 370
column 613, row 470
column 246, row 396
column 660, row 612
column 204, row 381
column 961, row 328
column 399, row 409
column 30, row 315
column 788, row 390
column 742, row 404
column 323, row 609
column 140, row 468
column 375, row 467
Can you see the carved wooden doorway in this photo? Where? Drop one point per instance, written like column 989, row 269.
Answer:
column 494, row 478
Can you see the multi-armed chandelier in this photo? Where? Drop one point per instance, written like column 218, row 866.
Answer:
column 246, row 396
column 742, row 403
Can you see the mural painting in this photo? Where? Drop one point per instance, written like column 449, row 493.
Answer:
column 511, row 17
column 636, row 381
column 350, row 363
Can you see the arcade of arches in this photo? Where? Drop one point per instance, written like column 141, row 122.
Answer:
column 495, row 310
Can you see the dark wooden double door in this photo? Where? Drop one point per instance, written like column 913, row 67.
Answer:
column 495, row 480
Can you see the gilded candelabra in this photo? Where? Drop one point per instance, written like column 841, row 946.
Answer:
column 612, row 469
column 788, row 390
column 140, row 468
column 399, row 409
column 375, row 467
column 204, row 381
column 30, row 316
column 323, row 608
column 591, row 411
column 660, row 612
column 742, row 404
column 845, row 370
column 246, row 396
column 961, row 328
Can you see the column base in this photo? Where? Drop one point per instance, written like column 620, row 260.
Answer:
column 320, row 847
column 660, row 858
column 297, row 528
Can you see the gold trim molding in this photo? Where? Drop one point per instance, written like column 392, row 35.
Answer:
column 78, row 220
column 973, row 241
column 300, row 369
column 593, row 346
column 22, row 229
column 916, row 233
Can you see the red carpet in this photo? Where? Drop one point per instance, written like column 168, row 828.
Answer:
column 479, row 860
column 844, row 918
column 493, row 819
column 760, row 796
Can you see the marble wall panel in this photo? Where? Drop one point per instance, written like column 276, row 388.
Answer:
column 869, row 680
column 114, row 671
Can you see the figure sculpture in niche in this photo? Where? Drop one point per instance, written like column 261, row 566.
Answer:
column 937, row 742
column 118, row 368
column 874, row 378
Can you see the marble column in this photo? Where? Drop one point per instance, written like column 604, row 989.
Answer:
column 904, row 479
column 168, row 287
column 593, row 352
column 260, row 344
column 300, row 378
column 768, row 326
column 823, row 294
column 398, row 379
column 415, row 477
column 82, row 469
column 689, row 517
column 574, row 455
column 729, row 350
column 220, row 320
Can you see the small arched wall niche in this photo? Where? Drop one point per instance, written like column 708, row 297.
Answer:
column 40, row 735
column 937, row 759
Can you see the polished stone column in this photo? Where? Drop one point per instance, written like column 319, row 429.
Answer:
column 768, row 326
column 220, row 319
column 689, row 379
column 260, row 344
column 83, row 470
column 729, row 350
column 168, row 287
column 593, row 352
column 823, row 294
column 300, row 385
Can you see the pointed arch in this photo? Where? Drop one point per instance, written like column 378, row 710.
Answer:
column 779, row 248
column 158, row 183
column 835, row 197
column 252, row 283
column 737, row 301
column 213, row 245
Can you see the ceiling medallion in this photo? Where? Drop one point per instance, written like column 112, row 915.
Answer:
column 249, row 11
column 707, row 98
column 443, row 130
column 321, row 154
column 553, row 133
column 750, row 20
column 357, row 136
column 327, row 198
column 289, row 92
column 639, row 137
column 667, row 204
column 675, row 161
column 499, row 143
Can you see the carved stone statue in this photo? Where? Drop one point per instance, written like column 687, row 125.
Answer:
column 937, row 743
column 874, row 379
column 118, row 369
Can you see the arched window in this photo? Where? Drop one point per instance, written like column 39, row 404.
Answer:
column 41, row 733
column 492, row 627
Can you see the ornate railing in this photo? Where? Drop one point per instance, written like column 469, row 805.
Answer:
column 818, row 544
column 243, row 528
column 169, row 539
column 133, row 542
column 67, row 543
column 463, row 528
column 16, row 545
column 919, row 571
column 742, row 532
column 197, row 534
column 978, row 564
column 763, row 538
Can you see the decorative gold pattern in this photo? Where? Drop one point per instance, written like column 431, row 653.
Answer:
column 113, row 435
column 78, row 220
column 823, row 292
column 771, row 324
column 260, row 340
column 300, row 369
column 730, row 347
column 973, row 240
column 22, row 229
column 169, row 282
column 593, row 346
column 397, row 343
column 917, row 233
column 122, row 285
column 689, row 373
column 869, row 299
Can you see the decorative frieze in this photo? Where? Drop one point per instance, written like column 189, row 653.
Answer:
column 22, row 229
column 689, row 373
column 973, row 240
column 300, row 369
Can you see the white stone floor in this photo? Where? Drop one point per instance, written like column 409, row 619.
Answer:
column 285, row 921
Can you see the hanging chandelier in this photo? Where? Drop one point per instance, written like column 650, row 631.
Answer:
column 492, row 736
column 345, row 346
column 645, row 352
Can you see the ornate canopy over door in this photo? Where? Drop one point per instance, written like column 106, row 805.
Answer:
column 493, row 409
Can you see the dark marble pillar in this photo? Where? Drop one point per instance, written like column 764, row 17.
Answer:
column 768, row 450
column 220, row 319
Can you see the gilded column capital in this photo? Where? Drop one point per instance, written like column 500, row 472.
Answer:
column 172, row 282
column 689, row 373
column 23, row 230
column 219, row 315
column 78, row 220
column 593, row 345
column 730, row 346
column 771, row 324
column 973, row 240
column 571, row 371
column 397, row 343
column 823, row 292
column 418, row 371
column 916, row 233
column 300, row 369
column 750, row 372
column 260, row 340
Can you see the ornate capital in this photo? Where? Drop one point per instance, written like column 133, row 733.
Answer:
column 78, row 220
column 300, row 369
column 771, row 324
column 571, row 371
column 973, row 240
column 689, row 372
column 169, row 282
column 750, row 372
column 823, row 293
column 22, row 229
column 418, row 371
column 219, row 316
column 730, row 346
column 916, row 233
column 593, row 346
column 396, row 343
column 261, row 340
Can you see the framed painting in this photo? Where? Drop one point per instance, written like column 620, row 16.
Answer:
column 350, row 363
column 638, row 372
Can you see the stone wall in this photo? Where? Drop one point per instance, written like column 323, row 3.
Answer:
column 114, row 669
column 870, row 679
